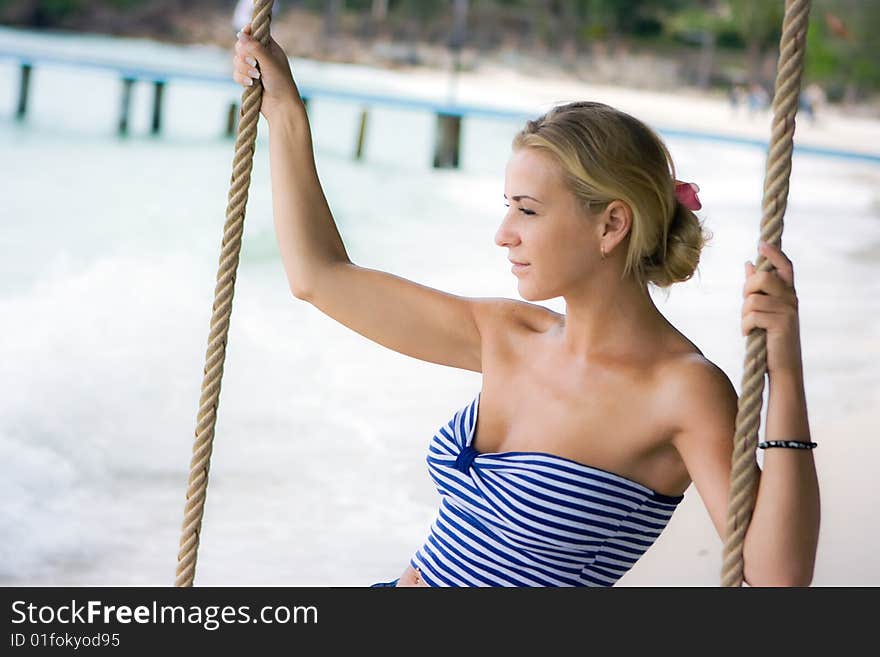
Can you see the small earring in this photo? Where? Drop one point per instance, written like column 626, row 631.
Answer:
column 603, row 252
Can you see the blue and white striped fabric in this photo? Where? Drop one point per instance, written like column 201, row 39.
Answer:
column 530, row 518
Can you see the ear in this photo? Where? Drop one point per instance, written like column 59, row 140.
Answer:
column 616, row 222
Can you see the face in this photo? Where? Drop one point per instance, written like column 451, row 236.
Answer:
column 546, row 227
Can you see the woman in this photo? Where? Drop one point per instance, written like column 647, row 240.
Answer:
column 590, row 425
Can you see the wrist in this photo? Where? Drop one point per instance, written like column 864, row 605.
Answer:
column 787, row 416
column 790, row 376
column 291, row 114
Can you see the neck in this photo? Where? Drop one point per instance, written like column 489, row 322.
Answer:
column 609, row 318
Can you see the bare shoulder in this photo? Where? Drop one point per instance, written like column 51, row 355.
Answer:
column 696, row 390
column 495, row 314
column 704, row 407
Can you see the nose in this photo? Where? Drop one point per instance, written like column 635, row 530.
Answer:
column 505, row 235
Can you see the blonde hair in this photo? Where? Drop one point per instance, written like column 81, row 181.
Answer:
column 606, row 154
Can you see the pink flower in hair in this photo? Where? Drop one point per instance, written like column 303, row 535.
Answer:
column 686, row 193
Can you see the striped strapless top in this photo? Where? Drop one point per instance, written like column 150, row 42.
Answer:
column 531, row 518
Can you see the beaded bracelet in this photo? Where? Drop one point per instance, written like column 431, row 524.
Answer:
column 798, row 444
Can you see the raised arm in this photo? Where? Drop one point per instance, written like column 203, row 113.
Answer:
column 307, row 236
column 412, row 319
column 409, row 318
column 308, row 239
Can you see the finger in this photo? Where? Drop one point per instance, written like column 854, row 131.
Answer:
column 764, row 303
column 779, row 260
column 766, row 282
column 241, row 52
column 244, row 37
column 250, row 46
column 245, row 62
column 246, row 74
column 779, row 322
column 757, row 319
column 242, row 66
column 244, row 80
column 762, row 282
column 750, row 322
column 749, row 268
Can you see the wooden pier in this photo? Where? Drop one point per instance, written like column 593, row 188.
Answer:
column 449, row 116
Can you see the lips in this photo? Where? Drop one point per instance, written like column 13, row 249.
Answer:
column 516, row 262
column 518, row 268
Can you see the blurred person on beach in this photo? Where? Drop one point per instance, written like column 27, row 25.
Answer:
column 812, row 100
column 590, row 425
column 758, row 98
column 738, row 97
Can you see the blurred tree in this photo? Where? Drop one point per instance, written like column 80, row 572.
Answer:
column 638, row 18
column 459, row 24
column 843, row 49
column 759, row 23
column 46, row 13
column 332, row 9
column 373, row 15
column 702, row 22
column 842, row 52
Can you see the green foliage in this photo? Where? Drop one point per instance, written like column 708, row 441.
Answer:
column 759, row 21
column 821, row 60
column 57, row 10
column 730, row 38
column 847, row 62
column 848, row 59
column 735, row 23
column 633, row 17
column 423, row 9
column 647, row 27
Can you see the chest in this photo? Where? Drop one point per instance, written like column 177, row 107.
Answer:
column 599, row 415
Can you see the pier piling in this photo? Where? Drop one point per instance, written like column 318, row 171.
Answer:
column 127, row 84
column 24, row 85
column 446, row 148
column 158, row 89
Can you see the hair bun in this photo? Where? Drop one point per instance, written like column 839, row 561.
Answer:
column 685, row 240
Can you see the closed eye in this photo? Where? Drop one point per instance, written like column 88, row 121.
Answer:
column 523, row 210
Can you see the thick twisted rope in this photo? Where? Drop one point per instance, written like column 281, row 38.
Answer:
column 242, row 165
column 743, row 476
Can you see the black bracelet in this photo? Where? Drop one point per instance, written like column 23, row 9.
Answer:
column 798, row 444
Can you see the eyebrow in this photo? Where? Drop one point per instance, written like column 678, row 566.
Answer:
column 516, row 198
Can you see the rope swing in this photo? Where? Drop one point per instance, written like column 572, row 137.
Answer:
column 744, row 477
column 743, row 474
column 242, row 164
